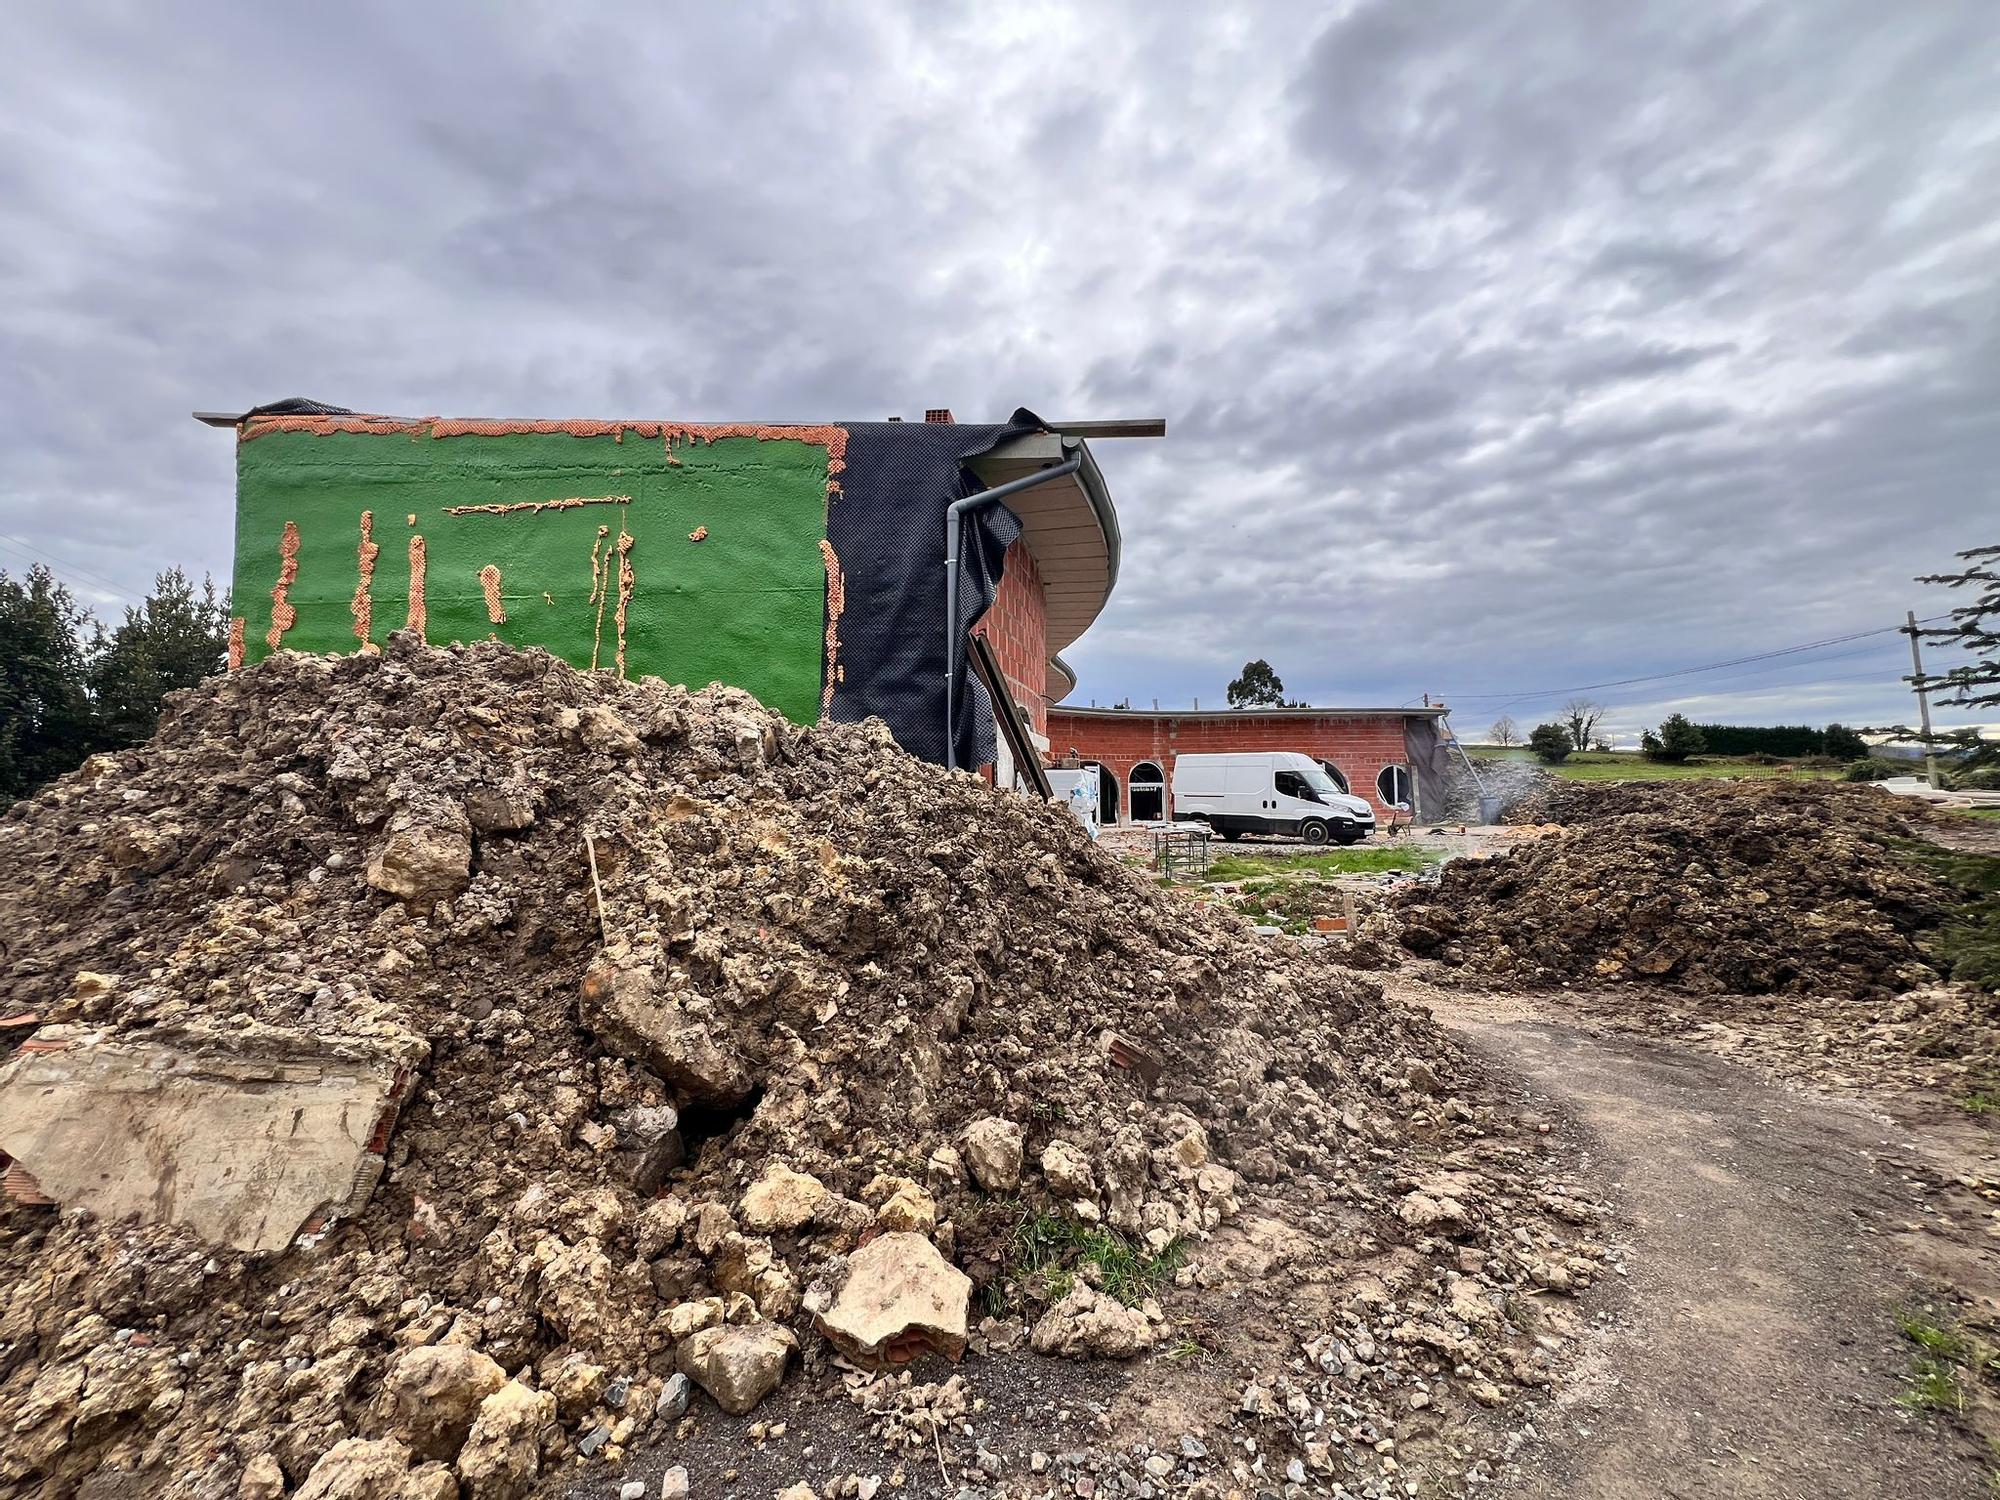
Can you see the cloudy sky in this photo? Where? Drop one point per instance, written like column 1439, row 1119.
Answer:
column 1506, row 348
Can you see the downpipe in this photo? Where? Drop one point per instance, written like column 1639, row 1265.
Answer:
column 954, row 519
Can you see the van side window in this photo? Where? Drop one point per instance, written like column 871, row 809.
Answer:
column 1291, row 784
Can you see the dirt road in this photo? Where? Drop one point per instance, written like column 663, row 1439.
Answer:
column 1753, row 1349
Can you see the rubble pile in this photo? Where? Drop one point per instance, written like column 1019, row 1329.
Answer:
column 1748, row 888
column 681, row 1049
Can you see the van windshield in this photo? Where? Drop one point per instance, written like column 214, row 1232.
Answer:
column 1310, row 786
column 1321, row 783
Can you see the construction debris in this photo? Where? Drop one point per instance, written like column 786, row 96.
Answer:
column 1748, row 888
column 708, row 1030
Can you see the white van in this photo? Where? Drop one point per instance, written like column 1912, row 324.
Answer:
column 1275, row 791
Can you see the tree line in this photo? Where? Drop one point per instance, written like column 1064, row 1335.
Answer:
column 70, row 686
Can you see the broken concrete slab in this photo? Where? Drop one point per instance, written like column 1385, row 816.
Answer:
column 900, row 1298
column 244, row 1135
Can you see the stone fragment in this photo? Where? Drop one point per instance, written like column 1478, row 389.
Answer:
column 674, row 1484
column 262, row 1479
column 659, row 1226
column 435, row 1391
column 577, row 1384
column 502, row 1456
column 738, row 1366
column 1126, row 1169
column 500, row 809
column 945, row 1169
column 1443, row 1214
column 357, row 1469
column 781, row 1200
column 638, row 1018
column 900, row 1298
column 422, row 864
column 686, row 1319
column 674, row 1398
column 1087, row 1324
column 429, row 1481
column 993, row 1153
column 575, row 1288
column 1068, row 1171
column 902, row 1205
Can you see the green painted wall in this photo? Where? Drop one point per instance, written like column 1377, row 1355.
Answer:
column 745, row 605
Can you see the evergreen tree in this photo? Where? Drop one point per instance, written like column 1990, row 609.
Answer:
column 1974, row 629
column 47, row 725
column 1551, row 743
column 174, row 640
column 1676, row 741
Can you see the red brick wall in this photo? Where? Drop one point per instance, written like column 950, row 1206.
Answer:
column 1016, row 627
column 1361, row 747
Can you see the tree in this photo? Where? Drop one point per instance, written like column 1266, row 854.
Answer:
column 1843, row 743
column 1551, row 744
column 174, row 640
column 46, row 723
column 1975, row 630
column 1258, row 687
column 1503, row 732
column 1676, row 741
column 1580, row 717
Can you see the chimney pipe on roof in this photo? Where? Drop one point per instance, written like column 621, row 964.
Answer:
column 939, row 414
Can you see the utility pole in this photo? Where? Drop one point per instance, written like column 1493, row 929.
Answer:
column 1923, row 698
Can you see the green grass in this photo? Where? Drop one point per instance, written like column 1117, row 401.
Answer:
column 1967, row 945
column 1334, row 862
column 1990, row 814
column 1048, row 1250
column 1630, row 765
column 1943, row 1353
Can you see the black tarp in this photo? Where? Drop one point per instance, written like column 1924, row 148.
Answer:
column 886, row 525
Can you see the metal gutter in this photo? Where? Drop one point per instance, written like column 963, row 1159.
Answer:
column 954, row 520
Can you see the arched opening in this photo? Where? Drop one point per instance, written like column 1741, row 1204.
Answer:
column 1339, row 777
column 1393, row 782
column 1107, row 796
column 1149, row 793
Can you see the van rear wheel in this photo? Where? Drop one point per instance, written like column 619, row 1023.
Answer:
column 1314, row 832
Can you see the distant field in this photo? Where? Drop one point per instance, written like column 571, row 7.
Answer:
column 1630, row 765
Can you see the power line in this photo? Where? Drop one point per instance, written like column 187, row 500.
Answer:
column 30, row 549
column 1714, row 666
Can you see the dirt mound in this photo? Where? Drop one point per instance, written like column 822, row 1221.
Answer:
column 1860, row 807
column 658, row 1026
column 1752, row 888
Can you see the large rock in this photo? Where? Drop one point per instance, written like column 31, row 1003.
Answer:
column 502, row 1456
column 423, row 864
column 357, row 1469
column 436, row 1391
column 1068, row 1171
column 1087, row 1324
column 738, row 1366
column 993, row 1152
column 900, row 1298
column 781, row 1200
column 625, row 1005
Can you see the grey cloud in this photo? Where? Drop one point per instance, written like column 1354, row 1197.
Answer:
column 1503, row 346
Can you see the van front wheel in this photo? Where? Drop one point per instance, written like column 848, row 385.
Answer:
column 1313, row 832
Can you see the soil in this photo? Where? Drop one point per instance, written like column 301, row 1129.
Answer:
column 1774, row 1234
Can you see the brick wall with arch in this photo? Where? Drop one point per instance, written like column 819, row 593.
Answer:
column 1360, row 746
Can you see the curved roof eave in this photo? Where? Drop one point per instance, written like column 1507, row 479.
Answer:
column 1068, row 526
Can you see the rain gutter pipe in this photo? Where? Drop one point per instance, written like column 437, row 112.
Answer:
column 954, row 518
